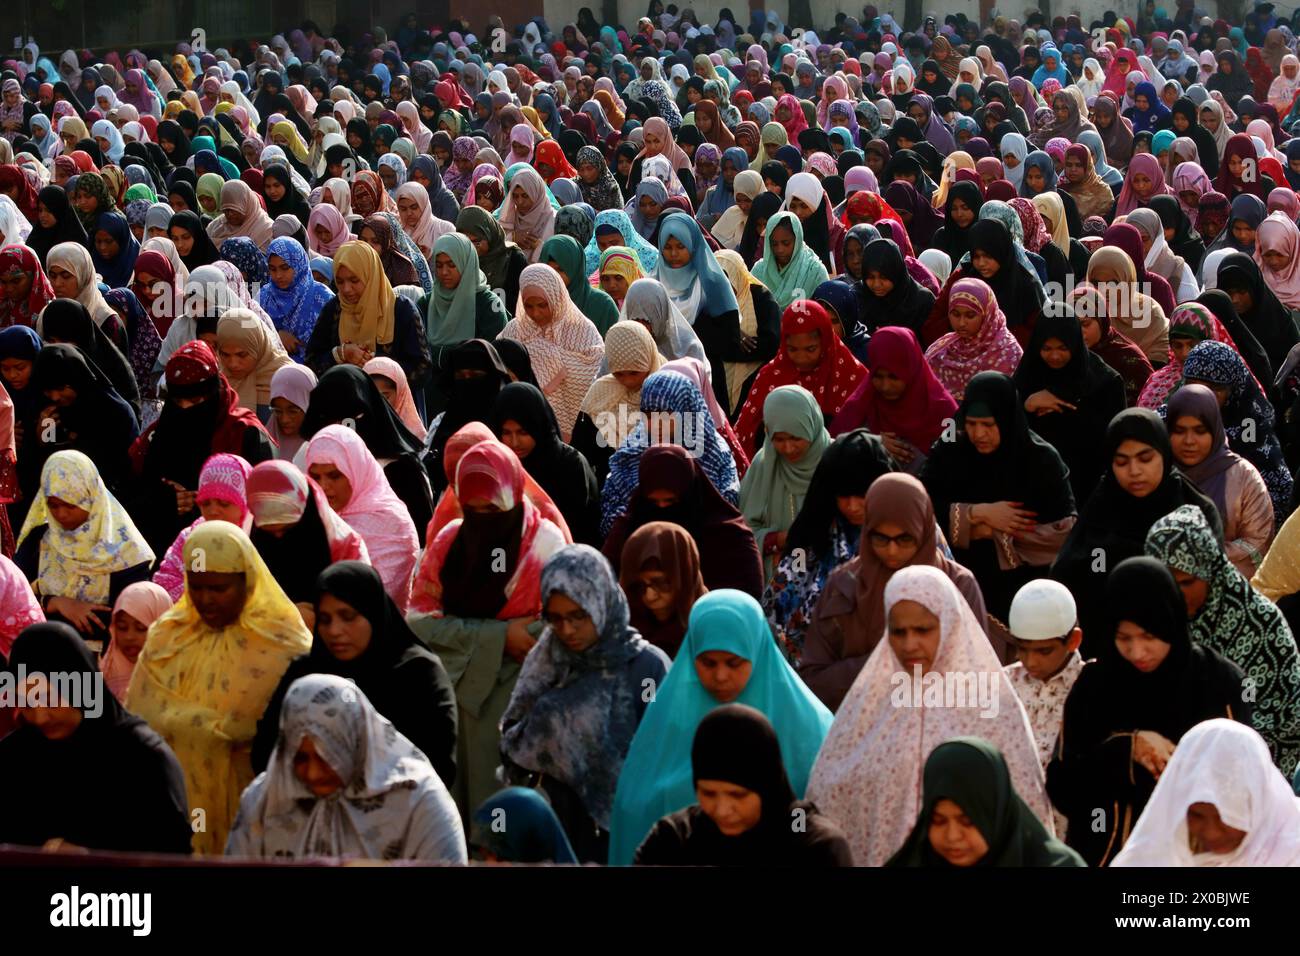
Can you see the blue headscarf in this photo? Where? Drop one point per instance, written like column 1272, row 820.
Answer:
column 295, row 309
column 245, row 255
column 1044, row 164
column 385, row 77
column 531, row 832
column 572, row 714
column 657, row 777
column 646, row 254
column 115, row 272
column 667, row 391
column 723, row 196
column 544, row 103
column 1060, row 74
column 1108, row 173
column 715, row 295
column 1146, row 121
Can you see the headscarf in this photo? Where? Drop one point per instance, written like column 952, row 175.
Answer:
column 835, row 378
column 858, row 777
column 294, row 383
column 77, row 563
column 539, row 222
column 296, row 308
column 369, row 321
column 373, row 510
column 657, row 779
column 955, row 359
column 593, row 694
column 178, row 687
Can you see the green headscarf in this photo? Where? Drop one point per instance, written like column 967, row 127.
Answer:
column 209, row 185
column 454, row 120
column 141, row 191
column 805, row 270
column 773, row 489
column 451, row 315
column 973, row 774
column 594, row 303
column 774, row 135
column 477, row 222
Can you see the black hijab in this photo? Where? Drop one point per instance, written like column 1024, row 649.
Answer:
column 170, row 131
column 766, row 205
column 908, row 304
column 517, row 360
column 952, row 238
column 346, row 393
column 1206, row 149
column 67, row 226
column 203, row 252
column 1220, row 303
column 1018, row 293
column 560, row 469
column 1271, row 322
column 66, row 320
column 847, row 468
column 470, row 399
column 292, row 202
column 403, row 679
column 113, row 784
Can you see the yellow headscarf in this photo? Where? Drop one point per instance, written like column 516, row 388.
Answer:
column 204, row 690
column 77, row 563
column 290, row 133
column 742, row 284
column 173, row 109
column 182, row 70
column 535, row 121
column 370, row 321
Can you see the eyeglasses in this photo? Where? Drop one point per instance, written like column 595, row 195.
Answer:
column 879, row 540
column 573, row 619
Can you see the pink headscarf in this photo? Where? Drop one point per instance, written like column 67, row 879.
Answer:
column 1278, row 233
column 405, row 404
column 956, row 360
column 223, row 477
column 327, row 215
column 18, row 605
column 373, row 511
column 1190, row 176
column 1147, row 165
column 146, row 602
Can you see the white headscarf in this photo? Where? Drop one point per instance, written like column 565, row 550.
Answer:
column 1227, row 764
column 868, row 775
column 392, row 805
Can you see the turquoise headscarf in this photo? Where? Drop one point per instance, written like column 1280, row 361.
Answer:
column 716, row 295
column 773, row 489
column 451, row 314
column 657, row 777
column 802, row 274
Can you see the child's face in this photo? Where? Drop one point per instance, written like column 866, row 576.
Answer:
column 129, row 635
column 1042, row 659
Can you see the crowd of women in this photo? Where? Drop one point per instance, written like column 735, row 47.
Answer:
column 691, row 444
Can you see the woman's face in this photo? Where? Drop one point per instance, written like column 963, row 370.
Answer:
column 312, row 770
column 723, row 674
column 128, row 635
column 1276, row 260
column 1091, row 330
column 1142, row 649
column 1206, row 831
column 1035, row 179
column 892, row 544
column 217, row 596
column 984, row 264
column 1137, row 467
column 446, row 271
column 523, row 202
column 1192, row 440
column 954, row 836
column 288, row 416
column 962, row 214
column 1210, row 120
column 16, row 372
column 782, row 245
column 879, row 284
column 675, row 253
column 344, row 630
column 852, row 257
column 914, row 635
column 1055, row 354
column 324, row 235
column 64, row 282
column 236, row 360
column 1243, row 233
column 965, row 321
column 538, row 308
column 335, row 484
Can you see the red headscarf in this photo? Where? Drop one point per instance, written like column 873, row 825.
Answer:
column 191, row 364
column 867, row 207
column 549, row 153
column 835, row 377
column 18, row 258
column 24, row 197
column 797, row 122
column 918, row 416
column 1241, row 146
